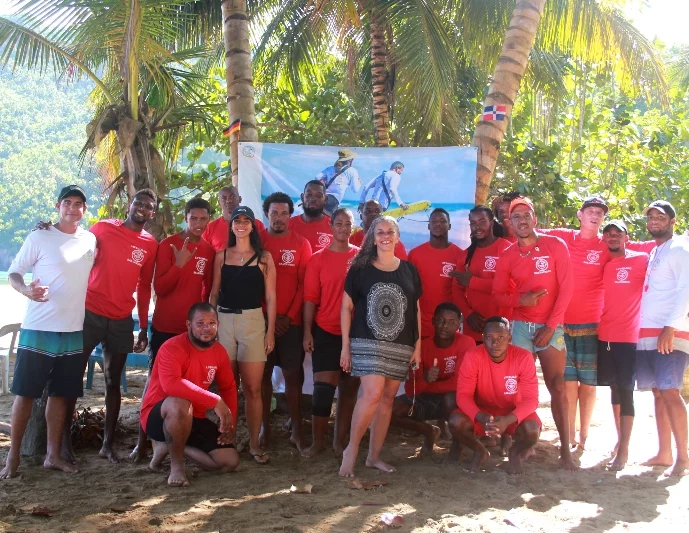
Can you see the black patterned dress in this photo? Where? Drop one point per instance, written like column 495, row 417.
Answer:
column 384, row 326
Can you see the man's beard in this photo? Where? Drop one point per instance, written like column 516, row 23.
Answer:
column 660, row 233
column 313, row 212
column 201, row 343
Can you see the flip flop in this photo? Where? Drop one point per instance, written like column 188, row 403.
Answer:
column 258, row 456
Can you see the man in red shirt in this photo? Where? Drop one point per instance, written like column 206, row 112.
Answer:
column 435, row 260
column 313, row 224
column 218, row 232
column 497, row 393
column 371, row 211
column 534, row 278
column 291, row 253
column 183, row 276
column 618, row 332
column 173, row 411
column 473, row 291
column 123, row 264
column 431, row 389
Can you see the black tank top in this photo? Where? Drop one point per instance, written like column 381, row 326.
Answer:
column 241, row 287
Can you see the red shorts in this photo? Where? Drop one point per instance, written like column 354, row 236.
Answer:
column 478, row 427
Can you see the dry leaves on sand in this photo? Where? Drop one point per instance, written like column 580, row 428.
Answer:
column 357, row 484
column 38, row 510
column 392, row 520
column 301, row 489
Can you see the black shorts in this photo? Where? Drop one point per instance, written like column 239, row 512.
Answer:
column 52, row 359
column 327, row 349
column 428, row 406
column 617, row 364
column 116, row 336
column 204, row 433
column 158, row 338
column 289, row 349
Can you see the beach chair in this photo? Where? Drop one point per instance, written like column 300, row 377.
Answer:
column 5, row 358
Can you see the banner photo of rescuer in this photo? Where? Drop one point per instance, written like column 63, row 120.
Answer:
column 408, row 183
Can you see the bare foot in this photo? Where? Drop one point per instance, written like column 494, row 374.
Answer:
column 380, row 465
column 313, row 450
column 505, row 445
column 159, row 454
column 582, row 442
column 109, row 454
column 615, row 449
column 297, row 442
column 429, row 443
column 58, row 463
column 67, row 453
column 530, row 451
column 680, row 469
column 348, row 460
column 659, row 460
column 619, row 463
column 139, row 454
column 338, row 448
column 479, row 458
column 178, row 477
column 567, row 463
column 11, row 467
column 514, row 463
column 453, row 456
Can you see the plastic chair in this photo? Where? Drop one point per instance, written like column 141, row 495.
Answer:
column 5, row 358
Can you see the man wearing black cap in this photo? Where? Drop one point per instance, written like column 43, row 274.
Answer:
column 663, row 347
column 51, row 337
column 618, row 332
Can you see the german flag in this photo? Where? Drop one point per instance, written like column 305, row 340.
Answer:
column 232, row 128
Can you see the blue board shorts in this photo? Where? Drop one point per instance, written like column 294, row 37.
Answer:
column 655, row 370
column 582, row 353
column 523, row 334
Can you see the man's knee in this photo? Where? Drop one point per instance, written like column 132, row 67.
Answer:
column 323, row 394
column 459, row 422
column 400, row 407
column 175, row 407
column 450, row 401
column 528, row 431
column 556, row 384
column 227, row 459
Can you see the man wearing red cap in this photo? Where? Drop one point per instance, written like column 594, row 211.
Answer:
column 534, row 278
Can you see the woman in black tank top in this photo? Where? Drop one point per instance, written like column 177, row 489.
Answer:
column 243, row 279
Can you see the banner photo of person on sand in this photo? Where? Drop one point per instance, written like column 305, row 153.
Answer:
column 408, row 182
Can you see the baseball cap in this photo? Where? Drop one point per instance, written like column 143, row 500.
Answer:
column 663, row 207
column 345, row 155
column 594, row 201
column 620, row 225
column 243, row 210
column 71, row 190
column 522, row 200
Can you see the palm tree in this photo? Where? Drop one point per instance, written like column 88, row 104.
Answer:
column 138, row 53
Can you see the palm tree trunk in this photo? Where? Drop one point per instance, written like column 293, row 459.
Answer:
column 379, row 81
column 504, row 88
column 240, row 84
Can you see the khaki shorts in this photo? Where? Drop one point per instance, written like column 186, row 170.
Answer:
column 242, row 335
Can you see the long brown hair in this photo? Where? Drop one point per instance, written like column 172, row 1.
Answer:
column 369, row 250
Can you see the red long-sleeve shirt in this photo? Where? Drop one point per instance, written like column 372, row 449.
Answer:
column 324, row 285
column 498, row 388
column 357, row 239
column 478, row 296
column 448, row 361
column 291, row 254
column 319, row 234
column 177, row 289
column 543, row 265
column 623, row 282
column 183, row 371
column 434, row 266
column 218, row 232
column 123, row 264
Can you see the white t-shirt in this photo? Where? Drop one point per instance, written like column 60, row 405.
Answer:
column 61, row 261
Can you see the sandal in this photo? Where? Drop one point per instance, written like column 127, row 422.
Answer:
column 258, row 457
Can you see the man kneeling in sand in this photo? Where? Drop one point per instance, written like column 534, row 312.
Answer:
column 430, row 390
column 173, row 413
column 497, row 393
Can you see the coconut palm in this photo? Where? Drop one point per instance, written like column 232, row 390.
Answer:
column 139, row 54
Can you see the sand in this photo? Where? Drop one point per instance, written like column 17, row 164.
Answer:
column 429, row 494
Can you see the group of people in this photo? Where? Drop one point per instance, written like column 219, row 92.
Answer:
column 236, row 298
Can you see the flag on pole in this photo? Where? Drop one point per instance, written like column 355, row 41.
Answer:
column 232, row 128
column 494, row 112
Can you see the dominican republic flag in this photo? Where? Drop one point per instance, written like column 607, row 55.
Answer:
column 494, row 112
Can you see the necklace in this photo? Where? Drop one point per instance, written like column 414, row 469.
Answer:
column 654, row 264
column 527, row 254
column 241, row 259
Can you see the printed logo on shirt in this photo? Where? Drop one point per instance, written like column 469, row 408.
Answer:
column 200, row 265
column 592, row 258
column 450, row 364
column 448, row 268
column 138, row 256
column 211, row 374
column 542, row 265
column 324, row 239
column 287, row 258
column 622, row 275
column 490, row 264
column 510, row 384
column 88, row 256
